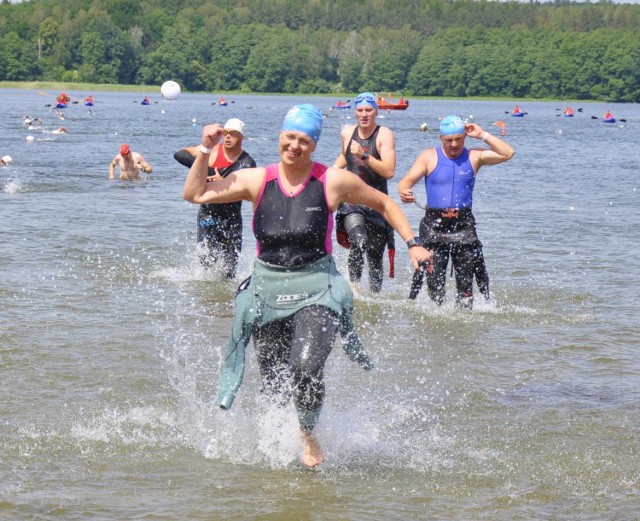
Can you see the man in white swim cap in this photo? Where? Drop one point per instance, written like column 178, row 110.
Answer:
column 219, row 226
column 5, row 160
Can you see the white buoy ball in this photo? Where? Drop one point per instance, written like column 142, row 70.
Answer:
column 170, row 90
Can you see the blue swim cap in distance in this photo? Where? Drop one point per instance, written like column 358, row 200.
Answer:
column 366, row 98
column 304, row 118
column 451, row 125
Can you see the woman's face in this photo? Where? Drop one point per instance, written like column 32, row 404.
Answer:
column 295, row 147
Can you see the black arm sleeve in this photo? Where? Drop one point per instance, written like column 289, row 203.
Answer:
column 183, row 157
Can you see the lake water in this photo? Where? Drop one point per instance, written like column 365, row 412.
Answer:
column 112, row 336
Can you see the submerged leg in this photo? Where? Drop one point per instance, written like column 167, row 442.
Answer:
column 463, row 263
column 356, row 226
column 436, row 280
column 480, row 272
column 375, row 253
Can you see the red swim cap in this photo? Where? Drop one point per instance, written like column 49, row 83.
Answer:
column 124, row 149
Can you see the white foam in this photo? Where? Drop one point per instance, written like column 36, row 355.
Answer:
column 14, row 186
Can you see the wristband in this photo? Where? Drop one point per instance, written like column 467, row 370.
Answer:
column 204, row 149
column 484, row 136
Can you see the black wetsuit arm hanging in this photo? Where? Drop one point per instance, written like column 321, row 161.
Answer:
column 185, row 158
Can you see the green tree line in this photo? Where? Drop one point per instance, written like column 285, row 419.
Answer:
column 414, row 47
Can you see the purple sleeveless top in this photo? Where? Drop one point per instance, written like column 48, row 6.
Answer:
column 451, row 184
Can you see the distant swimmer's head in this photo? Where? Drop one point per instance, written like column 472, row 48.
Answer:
column 125, row 150
column 234, row 125
column 366, row 98
column 304, row 118
column 424, row 127
column 6, row 160
column 451, row 125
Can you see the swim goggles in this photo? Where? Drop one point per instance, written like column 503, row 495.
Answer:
column 367, row 98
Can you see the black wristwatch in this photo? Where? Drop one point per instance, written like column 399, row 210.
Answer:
column 364, row 155
column 415, row 241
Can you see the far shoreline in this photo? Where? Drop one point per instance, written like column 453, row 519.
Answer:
column 150, row 89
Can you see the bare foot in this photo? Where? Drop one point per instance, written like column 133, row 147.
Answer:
column 312, row 455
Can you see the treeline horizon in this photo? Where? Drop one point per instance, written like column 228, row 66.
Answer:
column 560, row 50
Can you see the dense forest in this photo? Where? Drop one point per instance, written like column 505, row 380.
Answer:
column 561, row 50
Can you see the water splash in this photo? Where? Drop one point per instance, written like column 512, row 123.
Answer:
column 14, row 186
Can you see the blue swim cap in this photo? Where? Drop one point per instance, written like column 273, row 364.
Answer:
column 451, row 125
column 304, row 118
column 366, row 98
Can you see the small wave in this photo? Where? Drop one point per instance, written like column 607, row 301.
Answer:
column 14, row 186
column 136, row 426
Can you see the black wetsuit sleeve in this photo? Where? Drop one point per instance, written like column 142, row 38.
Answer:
column 185, row 158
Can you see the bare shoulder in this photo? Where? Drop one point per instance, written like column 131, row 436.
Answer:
column 347, row 131
column 429, row 157
column 386, row 134
column 430, row 152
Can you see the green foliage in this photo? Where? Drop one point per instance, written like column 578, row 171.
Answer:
column 17, row 58
column 559, row 49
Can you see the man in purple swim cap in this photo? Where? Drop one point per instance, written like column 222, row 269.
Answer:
column 369, row 151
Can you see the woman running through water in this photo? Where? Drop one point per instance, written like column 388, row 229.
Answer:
column 296, row 301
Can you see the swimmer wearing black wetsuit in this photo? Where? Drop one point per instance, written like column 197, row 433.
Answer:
column 219, row 226
column 368, row 150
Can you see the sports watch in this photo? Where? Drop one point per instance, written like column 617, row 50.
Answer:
column 364, row 155
column 415, row 241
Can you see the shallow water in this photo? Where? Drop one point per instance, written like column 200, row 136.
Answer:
column 111, row 335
